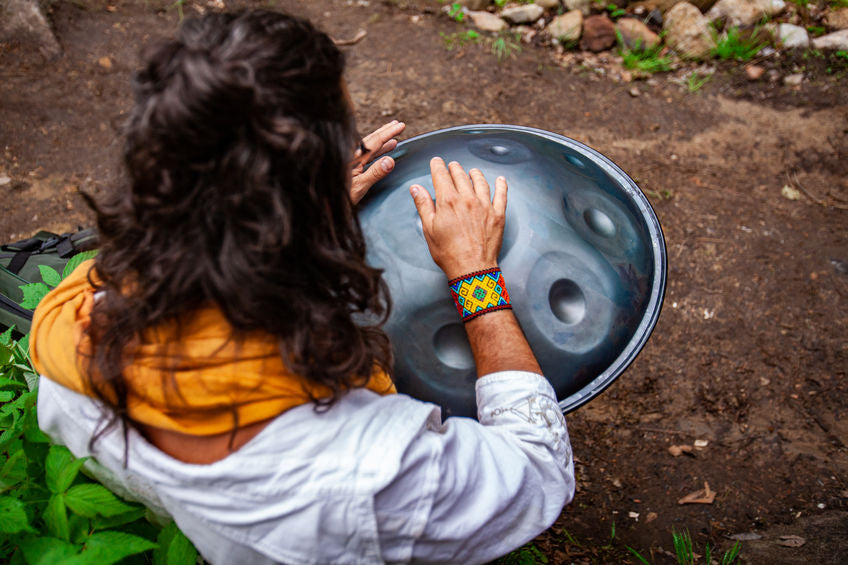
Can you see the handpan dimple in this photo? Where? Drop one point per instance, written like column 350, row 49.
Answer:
column 583, row 258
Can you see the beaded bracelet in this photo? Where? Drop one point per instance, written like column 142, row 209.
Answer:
column 479, row 293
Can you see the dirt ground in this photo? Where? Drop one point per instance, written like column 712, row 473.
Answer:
column 751, row 350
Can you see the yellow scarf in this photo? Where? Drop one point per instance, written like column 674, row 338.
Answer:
column 211, row 374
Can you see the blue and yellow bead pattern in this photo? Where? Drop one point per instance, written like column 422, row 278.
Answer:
column 479, row 293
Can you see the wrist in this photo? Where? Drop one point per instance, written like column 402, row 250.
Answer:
column 479, row 292
column 453, row 272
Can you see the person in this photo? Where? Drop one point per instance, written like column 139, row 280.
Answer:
column 222, row 358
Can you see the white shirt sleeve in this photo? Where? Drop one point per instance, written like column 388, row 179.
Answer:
column 469, row 493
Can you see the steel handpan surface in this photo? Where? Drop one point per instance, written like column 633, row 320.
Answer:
column 583, row 257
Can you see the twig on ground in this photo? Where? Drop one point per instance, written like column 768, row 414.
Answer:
column 360, row 35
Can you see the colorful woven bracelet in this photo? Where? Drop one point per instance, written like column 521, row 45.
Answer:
column 479, row 293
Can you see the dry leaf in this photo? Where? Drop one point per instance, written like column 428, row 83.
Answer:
column 105, row 62
column 678, row 450
column 791, row 541
column 651, row 517
column 703, row 496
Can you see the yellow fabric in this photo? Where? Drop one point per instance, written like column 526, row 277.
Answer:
column 188, row 386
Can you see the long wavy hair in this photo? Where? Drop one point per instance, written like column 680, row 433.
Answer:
column 237, row 157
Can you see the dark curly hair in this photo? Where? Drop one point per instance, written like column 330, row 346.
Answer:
column 238, row 170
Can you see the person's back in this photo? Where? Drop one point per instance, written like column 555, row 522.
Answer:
column 216, row 359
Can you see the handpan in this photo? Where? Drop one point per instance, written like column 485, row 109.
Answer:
column 583, row 257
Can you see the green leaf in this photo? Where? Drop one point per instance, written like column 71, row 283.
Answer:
column 11, row 383
column 80, row 528
column 33, row 293
column 92, row 499
column 13, row 518
column 174, row 548
column 58, row 458
column 56, row 518
column 49, row 275
column 76, row 260
column 105, row 548
column 14, row 469
column 106, row 522
column 6, row 337
column 6, row 395
column 46, row 551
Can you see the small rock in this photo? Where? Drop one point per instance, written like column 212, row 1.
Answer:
column 105, row 62
column 701, row 443
column 790, row 193
column 838, row 19
column 25, row 20
column 634, row 92
column 524, row 14
column 634, row 515
column 484, row 21
column 793, row 80
column 689, row 32
column 651, row 517
column 4, row 180
column 636, row 35
column 548, row 4
column 754, row 72
column 741, row 13
column 838, row 40
column 567, row 27
column 585, row 6
column 598, row 34
column 792, row 36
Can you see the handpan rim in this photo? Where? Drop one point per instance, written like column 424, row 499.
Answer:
column 632, row 191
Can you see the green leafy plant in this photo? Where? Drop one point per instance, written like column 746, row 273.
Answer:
column 695, row 81
column 51, row 511
column 648, row 60
column 842, row 55
column 735, row 45
column 505, row 45
column 839, row 3
column 526, row 555
column 684, row 551
column 458, row 40
column 456, row 12
column 816, row 31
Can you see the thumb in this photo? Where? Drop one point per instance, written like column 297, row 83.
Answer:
column 362, row 183
column 424, row 205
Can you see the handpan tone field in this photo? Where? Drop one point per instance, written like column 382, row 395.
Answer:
column 583, row 257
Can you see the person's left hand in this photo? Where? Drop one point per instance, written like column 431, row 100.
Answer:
column 380, row 142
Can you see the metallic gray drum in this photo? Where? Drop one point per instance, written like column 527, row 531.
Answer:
column 583, row 257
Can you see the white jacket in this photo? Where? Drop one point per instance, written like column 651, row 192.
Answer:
column 374, row 479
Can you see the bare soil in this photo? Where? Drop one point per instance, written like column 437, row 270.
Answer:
column 751, row 350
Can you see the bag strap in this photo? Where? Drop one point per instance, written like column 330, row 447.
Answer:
column 18, row 261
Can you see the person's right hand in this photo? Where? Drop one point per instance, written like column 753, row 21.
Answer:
column 464, row 229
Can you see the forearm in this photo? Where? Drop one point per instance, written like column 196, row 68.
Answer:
column 498, row 344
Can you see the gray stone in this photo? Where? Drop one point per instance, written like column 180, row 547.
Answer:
column 524, row 14
column 793, row 80
column 838, row 40
column 484, row 21
column 636, row 35
column 584, row 6
column 548, row 4
column 792, row 36
column 688, row 31
column 24, row 20
column 567, row 27
column 740, row 13
column 598, row 34
column 474, row 4
column 838, row 19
